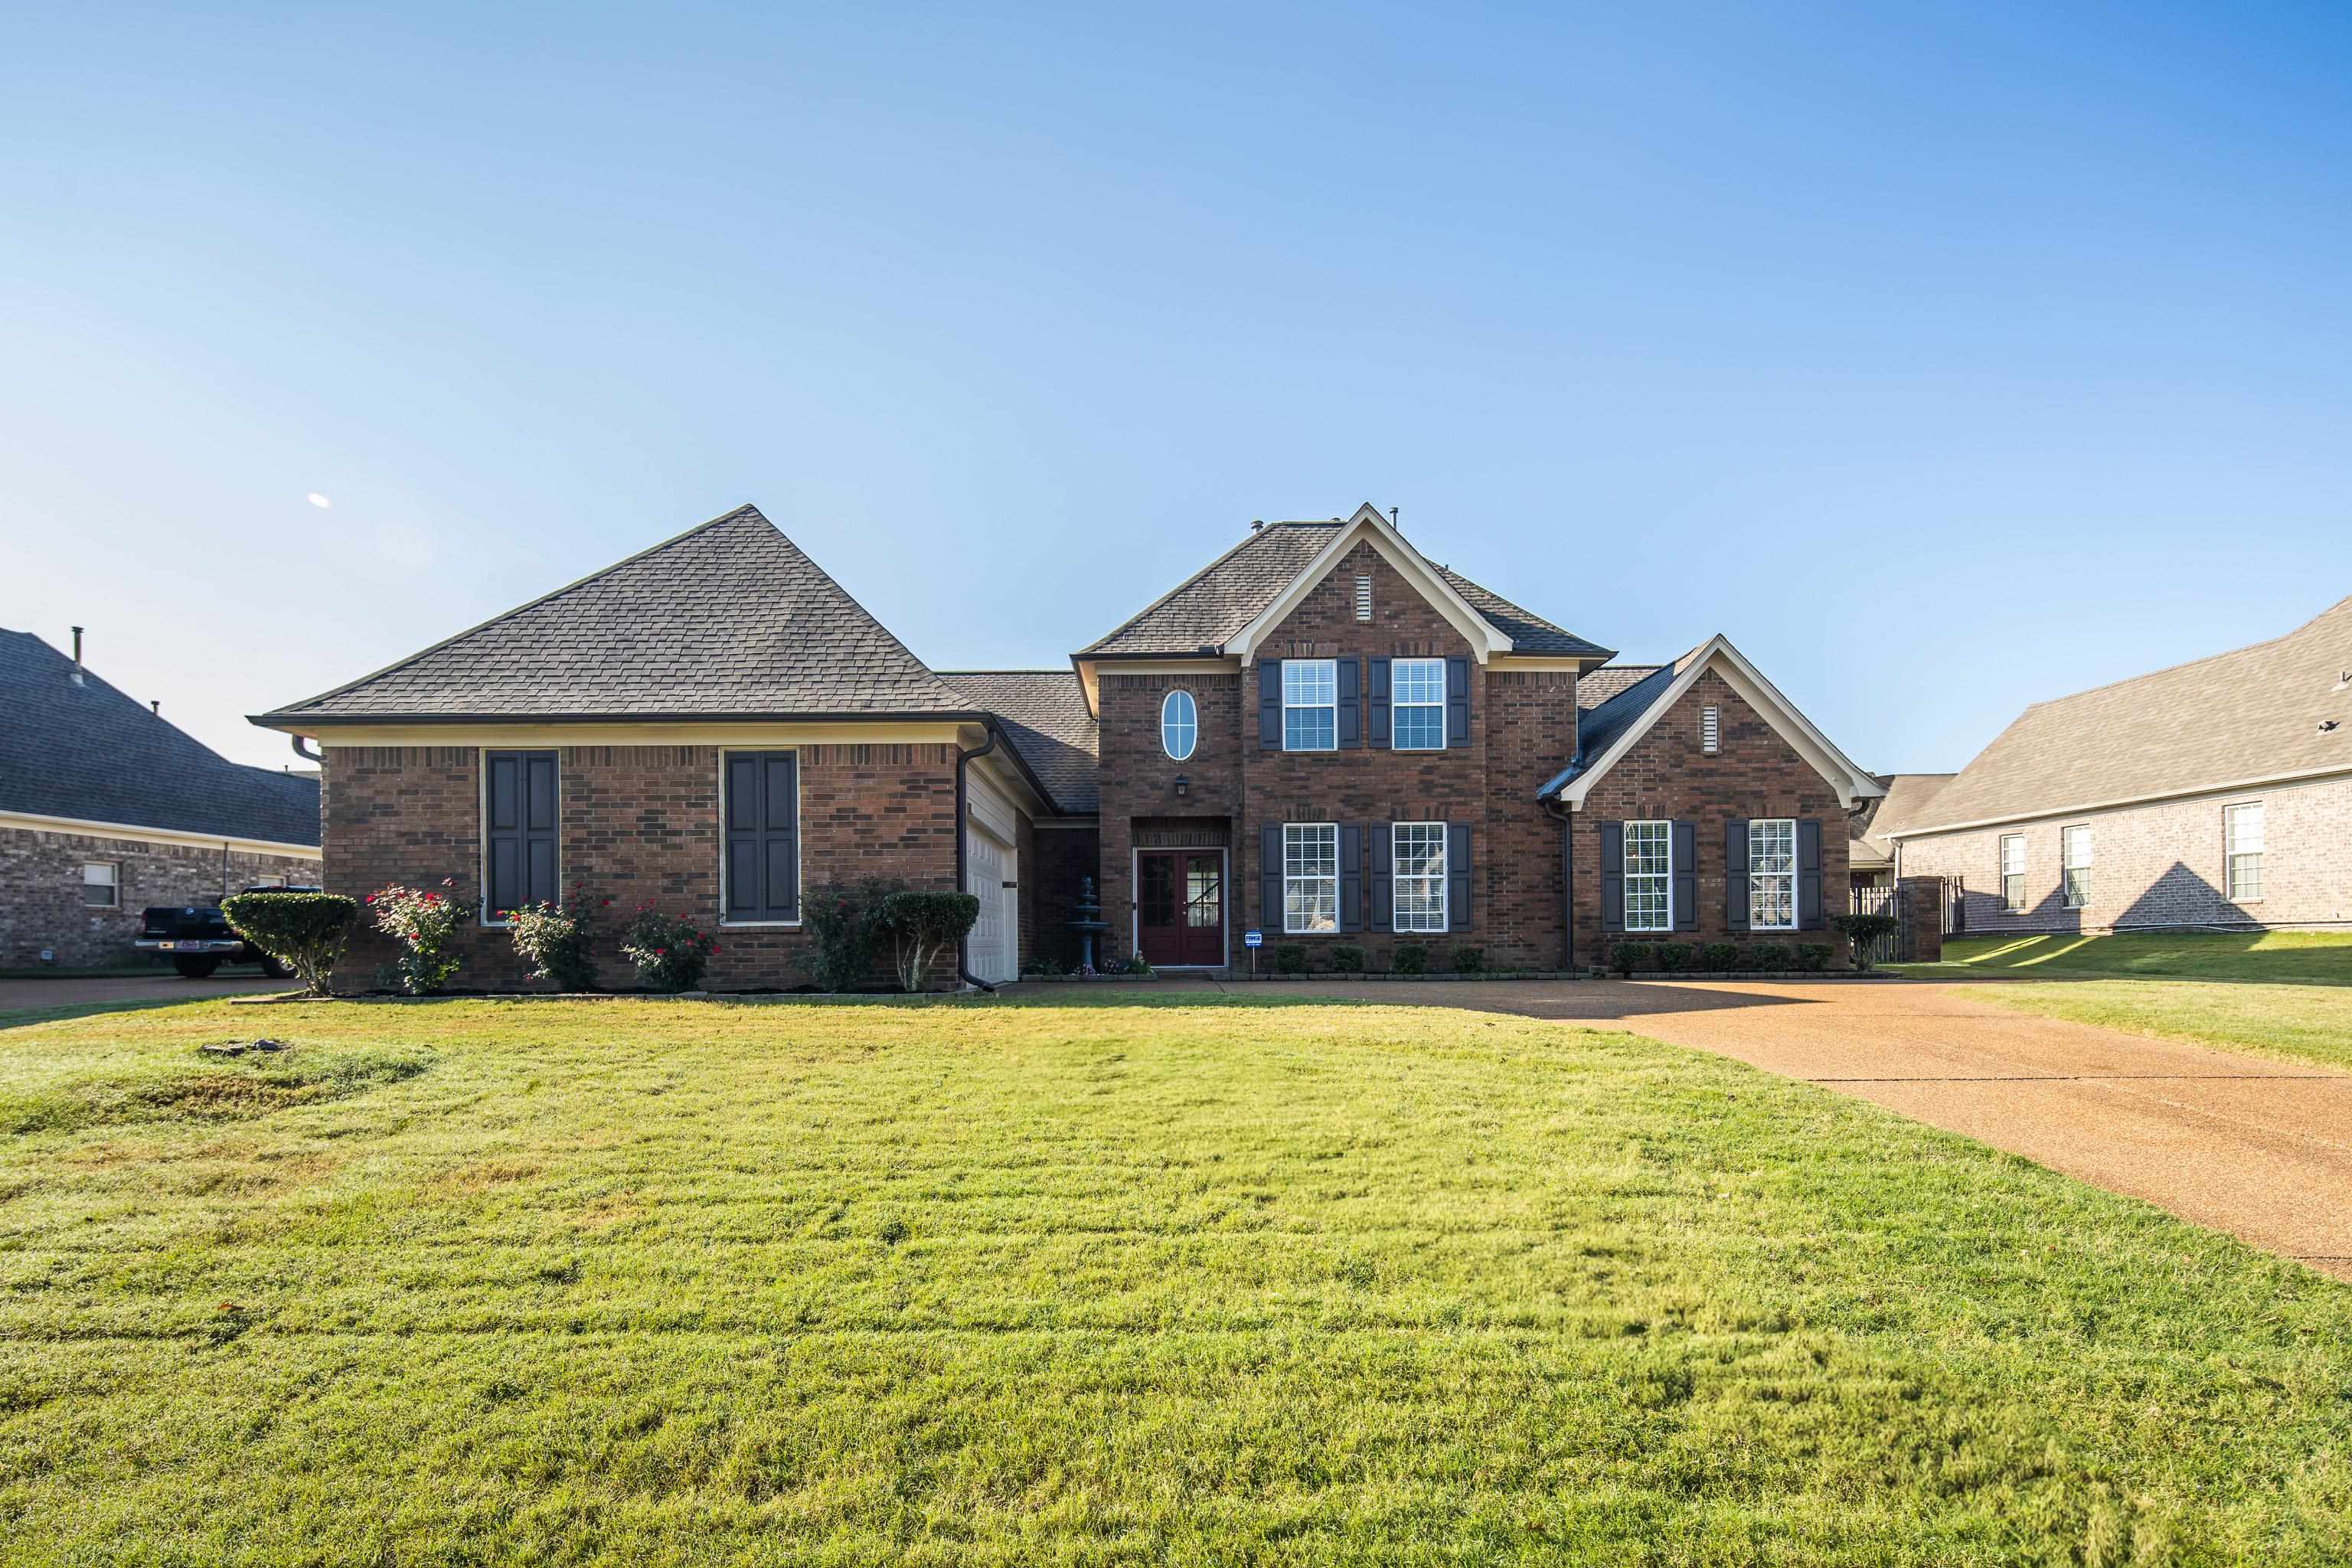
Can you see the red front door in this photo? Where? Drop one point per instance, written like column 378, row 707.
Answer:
column 1180, row 906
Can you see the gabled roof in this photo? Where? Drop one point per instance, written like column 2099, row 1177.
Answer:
column 1607, row 733
column 89, row 753
column 2234, row 718
column 1908, row 797
column 727, row 618
column 1044, row 714
column 1217, row 604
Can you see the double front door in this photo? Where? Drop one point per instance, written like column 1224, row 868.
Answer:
column 1180, row 906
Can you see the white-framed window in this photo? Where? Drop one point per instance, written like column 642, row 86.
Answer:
column 101, row 885
column 2242, row 852
column 2013, row 873
column 1417, row 704
column 2075, row 857
column 1310, row 705
column 1772, row 874
column 1417, row 867
column 1711, row 728
column 1179, row 724
column 1649, row 876
column 1311, row 877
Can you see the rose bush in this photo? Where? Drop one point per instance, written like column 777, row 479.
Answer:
column 425, row 925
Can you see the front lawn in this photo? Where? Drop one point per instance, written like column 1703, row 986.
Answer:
column 2286, row 994
column 647, row 1282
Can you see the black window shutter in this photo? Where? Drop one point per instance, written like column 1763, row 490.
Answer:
column 1269, row 704
column 1352, row 876
column 742, row 809
column 1612, row 875
column 1269, row 873
column 1685, row 865
column 1735, row 874
column 1380, row 690
column 538, row 828
column 1458, row 877
column 1457, row 701
column 1808, row 876
column 1351, row 711
column 1384, row 836
column 763, row 858
column 519, row 831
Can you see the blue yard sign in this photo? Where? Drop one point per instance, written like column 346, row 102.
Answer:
column 1253, row 939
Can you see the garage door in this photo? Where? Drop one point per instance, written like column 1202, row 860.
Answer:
column 988, row 865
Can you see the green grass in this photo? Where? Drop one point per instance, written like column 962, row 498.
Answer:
column 678, row 1282
column 2285, row 994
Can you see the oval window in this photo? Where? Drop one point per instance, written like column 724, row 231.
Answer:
column 1180, row 725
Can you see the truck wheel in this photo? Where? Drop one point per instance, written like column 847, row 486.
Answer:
column 275, row 969
column 196, row 968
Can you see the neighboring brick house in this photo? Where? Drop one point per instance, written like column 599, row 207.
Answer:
column 1320, row 734
column 1870, row 853
column 2214, row 793
column 106, row 809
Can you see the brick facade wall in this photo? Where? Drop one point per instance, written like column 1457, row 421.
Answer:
column 1138, row 779
column 41, row 891
column 639, row 822
column 1063, row 854
column 2160, row 865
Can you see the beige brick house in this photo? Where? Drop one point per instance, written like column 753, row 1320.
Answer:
column 2216, row 794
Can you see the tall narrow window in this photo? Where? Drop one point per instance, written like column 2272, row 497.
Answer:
column 2013, row 872
column 518, row 832
column 1311, row 877
column 101, row 885
column 2075, row 846
column 1417, row 704
column 1649, row 876
column 1310, row 705
column 762, row 812
column 1418, row 850
column 1179, row 724
column 2242, row 848
column 1772, row 874
column 1711, row 728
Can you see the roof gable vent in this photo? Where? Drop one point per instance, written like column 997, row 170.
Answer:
column 1364, row 597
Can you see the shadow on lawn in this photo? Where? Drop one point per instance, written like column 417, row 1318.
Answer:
column 2243, row 958
column 1567, row 1001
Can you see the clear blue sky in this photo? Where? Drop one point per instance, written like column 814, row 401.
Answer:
column 1945, row 357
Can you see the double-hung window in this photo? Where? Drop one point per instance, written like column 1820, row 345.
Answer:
column 1772, row 874
column 1649, row 876
column 1419, row 868
column 1311, row 877
column 2075, row 846
column 101, row 885
column 2013, row 873
column 1417, row 704
column 1310, row 705
column 2241, row 849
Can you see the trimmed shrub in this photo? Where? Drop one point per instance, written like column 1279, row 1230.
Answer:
column 1469, row 960
column 304, row 931
column 1768, row 956
column 1346, row 958
column 671, row 952
column 1290, row 959
column 1864, row 931
column 1409, row 958
column 1814, row 956
column 1674, row 955
column 922, row 926
column 844, row 930
column 555, row 941
column 1628, row 956
column 424, row 924
column 1719, row 955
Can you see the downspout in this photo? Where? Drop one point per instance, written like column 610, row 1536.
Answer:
column 963, row 804
column 302, row 740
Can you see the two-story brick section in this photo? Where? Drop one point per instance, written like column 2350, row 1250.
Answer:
column 1321, row 735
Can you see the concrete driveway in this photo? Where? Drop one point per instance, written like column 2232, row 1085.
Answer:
column 67, row 992
column 2257, row 1147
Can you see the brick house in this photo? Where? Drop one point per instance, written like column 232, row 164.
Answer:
column 1320, row 734
column 2215, row 794
column 107, row 808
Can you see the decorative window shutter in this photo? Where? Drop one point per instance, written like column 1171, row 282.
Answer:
column 1457, row 701
column 1270, row 705
column 1351, row 703
column 1351, row 875
column 1686, row 866
column 1269, row 877
column 1735, row 874
column 1808, row 876
column 1383, row 845
column 1612, row 875
column 1458, row 877
column 763, row 852
column 1379, row 683
column 519, row 830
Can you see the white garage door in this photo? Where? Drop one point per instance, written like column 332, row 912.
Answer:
column 988, row 865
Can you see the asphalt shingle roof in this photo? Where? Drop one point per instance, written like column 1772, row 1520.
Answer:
column 1209, row 608
column 2252, row 713
column 1907, row 798
column 729, row 617
column 1044, row 713
column 90, row 752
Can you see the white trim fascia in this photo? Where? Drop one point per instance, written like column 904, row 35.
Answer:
column 37, row 823
column 2236, row 787
column 1485, row 640
column 1854, row 783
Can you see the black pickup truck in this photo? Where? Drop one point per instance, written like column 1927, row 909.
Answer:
column 197, row 940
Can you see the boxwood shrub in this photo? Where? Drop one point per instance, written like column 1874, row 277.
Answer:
column 305, row 931
column 1290, row 958
column 1469, row 960
column 1346, row 958
column 1628, row 956
column 1719, row 955
column 1409, row 958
